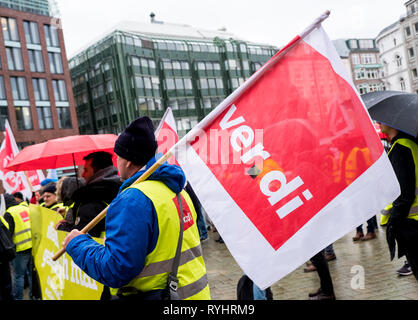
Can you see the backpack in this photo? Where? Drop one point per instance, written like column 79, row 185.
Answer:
column 7, row 246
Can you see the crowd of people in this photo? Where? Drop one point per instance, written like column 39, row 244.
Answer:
column 148, row 256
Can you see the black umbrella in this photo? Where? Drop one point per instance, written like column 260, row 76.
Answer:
column 396, row 109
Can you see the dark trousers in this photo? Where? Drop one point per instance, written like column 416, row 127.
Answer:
column 371, row 225
column 5, row 281
column 321, row 266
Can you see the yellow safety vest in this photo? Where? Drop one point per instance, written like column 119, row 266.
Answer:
column 193, row 282
column 22, row 235
column 57, row 206
column 413, row 212
column 6, row 224
column 352, row 166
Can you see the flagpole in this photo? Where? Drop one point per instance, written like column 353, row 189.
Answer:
column 28, row 180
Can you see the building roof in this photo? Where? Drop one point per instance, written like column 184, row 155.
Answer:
column 172, row 31
column 341, row 46
column 388, row 28
column 165, row 30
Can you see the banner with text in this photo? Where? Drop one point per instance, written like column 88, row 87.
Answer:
column 61, row 279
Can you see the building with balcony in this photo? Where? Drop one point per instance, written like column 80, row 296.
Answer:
column 142, row 68
column 35, row 87
column 365, row 65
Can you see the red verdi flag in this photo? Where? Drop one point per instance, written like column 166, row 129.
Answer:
column 166, row 134
column 290, row 162
column 16, row 181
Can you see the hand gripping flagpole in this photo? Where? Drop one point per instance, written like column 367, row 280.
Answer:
column 102, row 214
column 198, row 129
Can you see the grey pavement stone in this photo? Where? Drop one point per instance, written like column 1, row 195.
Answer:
column 381, row 280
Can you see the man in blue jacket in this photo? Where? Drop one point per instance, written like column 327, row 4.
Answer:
column 136, row 226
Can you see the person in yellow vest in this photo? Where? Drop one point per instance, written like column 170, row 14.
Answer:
column 402, row 226
column 20, row 199
column 17, row 216
column 50, row 198
column 143, row 228
column 5, row 274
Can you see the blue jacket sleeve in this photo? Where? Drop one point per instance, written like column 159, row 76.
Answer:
column 131, row 233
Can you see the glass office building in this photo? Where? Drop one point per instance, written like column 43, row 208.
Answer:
column 41, row 7
column 141, row 69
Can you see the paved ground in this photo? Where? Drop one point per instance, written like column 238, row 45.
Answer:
column 381, row 279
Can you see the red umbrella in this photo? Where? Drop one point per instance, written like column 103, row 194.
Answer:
column 61, row 152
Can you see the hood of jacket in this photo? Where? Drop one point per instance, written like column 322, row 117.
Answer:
column 171, row 175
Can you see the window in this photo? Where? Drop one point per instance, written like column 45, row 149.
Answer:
column 219, row 83
column 416, row 27
column 2, row 89
column 368, row 58
column 139, row 82
column 60, row 90
column 407, row 31
column 23, row 118
column 44, row 117
column 201, row 66
column 31, row 32
column 4, row 115
column 14, row 58
column 36, row 61
column 19, row 89
column 55, row 62
column 64, row 117
column 366, row 43
column 187, row 84
column 147, row 83
column 415, row 72
column 155, row 81
column 229, row 47
column 40, row 89
column 402, row 84
column 411, row 52
column 170, row 84
column 9, row 26
column 398, row 60
column 362, row 88
column 109, row 86
column 51, row 36
column 203, row 83
column 353, row 44
column 232, row 63
column 355, row 58
column 179, row 83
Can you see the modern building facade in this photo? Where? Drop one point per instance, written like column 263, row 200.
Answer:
column 143, row 68
column 35, row 86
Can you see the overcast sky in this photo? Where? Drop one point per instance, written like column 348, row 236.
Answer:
column 273, row 22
